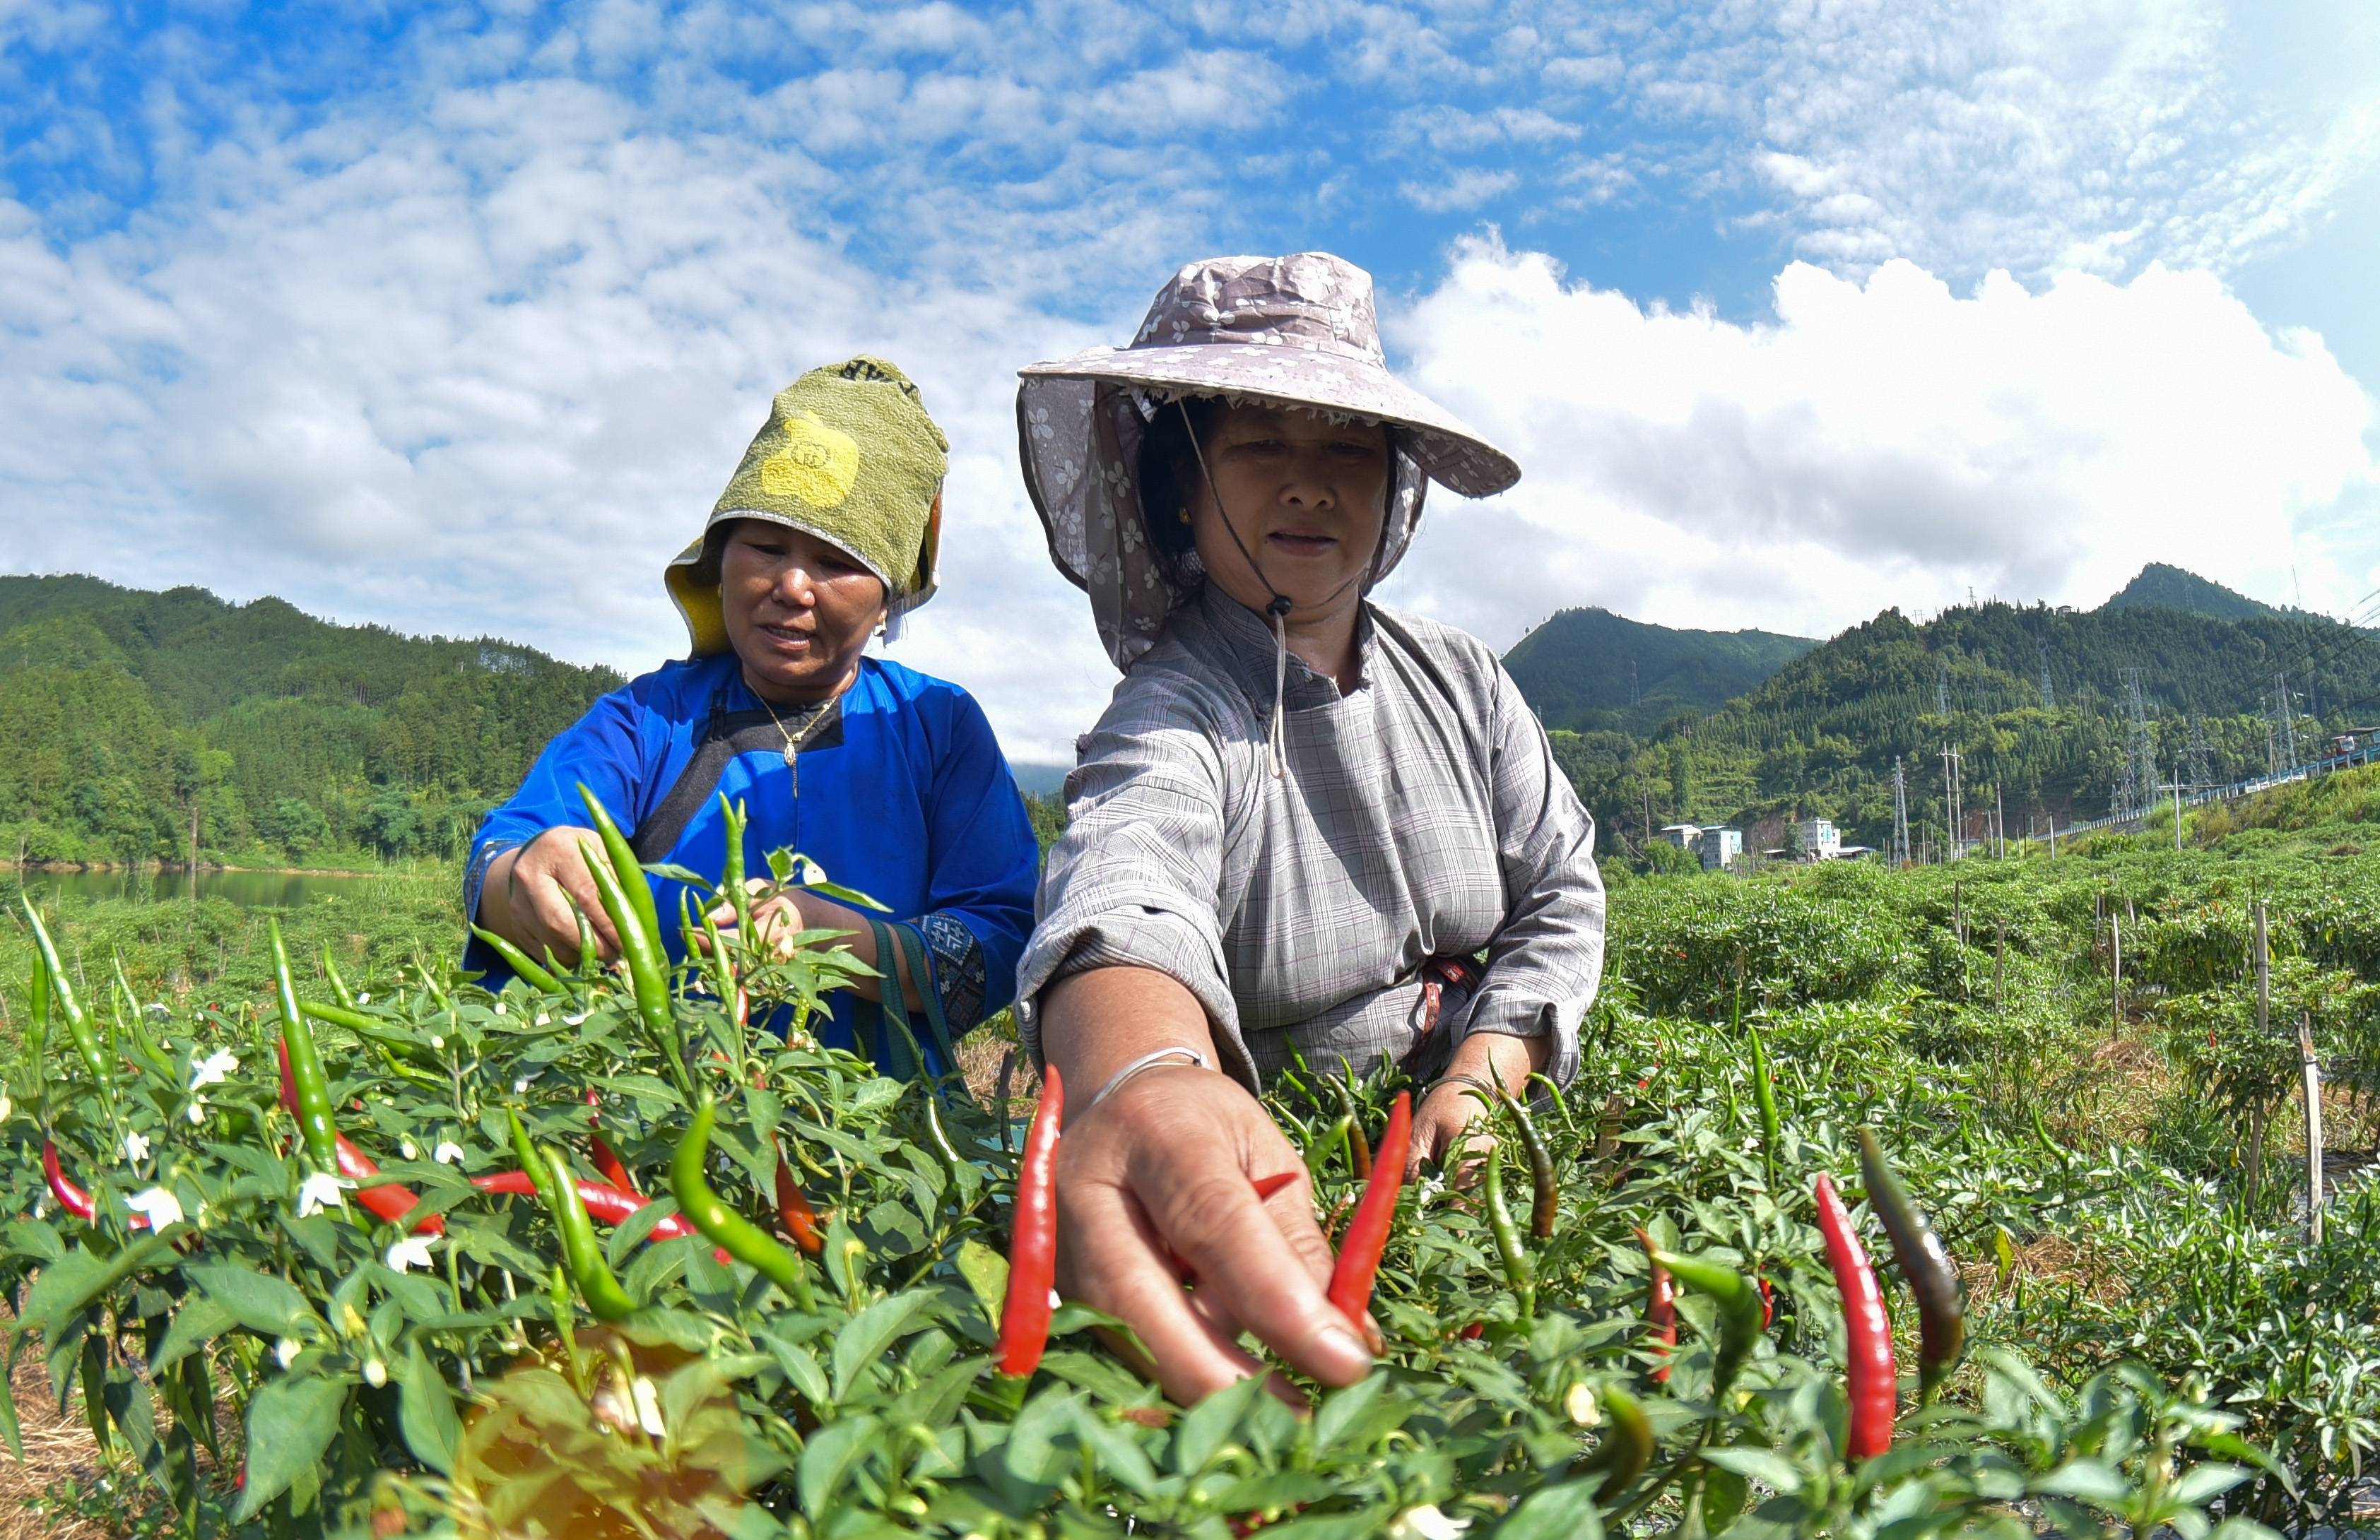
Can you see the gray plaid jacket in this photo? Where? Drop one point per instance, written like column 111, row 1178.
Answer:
column 1422, row 816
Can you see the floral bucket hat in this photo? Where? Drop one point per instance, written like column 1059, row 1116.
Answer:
column 1296, row 331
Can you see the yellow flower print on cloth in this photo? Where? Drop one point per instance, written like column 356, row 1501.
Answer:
column 817, row 464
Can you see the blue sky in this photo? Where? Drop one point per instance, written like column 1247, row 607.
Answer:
column 455, row 318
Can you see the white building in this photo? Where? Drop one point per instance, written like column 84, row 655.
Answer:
column 1685, row 836
column 1820, row 841
column 1721, row 848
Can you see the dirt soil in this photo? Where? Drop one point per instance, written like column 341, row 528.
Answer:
column 57, row 1450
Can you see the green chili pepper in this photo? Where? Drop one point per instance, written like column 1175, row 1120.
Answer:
column 1545, row 1198
column 1318, row 1151
column 1518, row 1271
column 1941, row 1319
column 731, row 875
column 1739, row 1310
column 516, row 959
column 86, row 1036
column 647, row 968
column 581, row 1253
column 1764, row 1094
column 331, row 976
column 315, row 1126
column 625, row 865
column 1627, row 1446
column 590, row 953
column 37, row 1016
column 739, row 1236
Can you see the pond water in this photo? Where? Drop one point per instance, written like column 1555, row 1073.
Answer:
column 250, row 890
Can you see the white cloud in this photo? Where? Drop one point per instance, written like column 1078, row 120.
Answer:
column 1467, row 188
column 1885, row 442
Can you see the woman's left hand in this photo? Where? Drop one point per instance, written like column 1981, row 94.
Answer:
column 790, row 912
column 1485, row 1059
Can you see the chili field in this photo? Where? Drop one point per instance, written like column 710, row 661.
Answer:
column 1886, row 1203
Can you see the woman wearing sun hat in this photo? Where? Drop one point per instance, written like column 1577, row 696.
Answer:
column 888, row 780
column 1308, row 825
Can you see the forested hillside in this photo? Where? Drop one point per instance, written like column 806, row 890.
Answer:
column 2033, row 698
column 128, row 714
column 2161, row 587
column 1590, row 670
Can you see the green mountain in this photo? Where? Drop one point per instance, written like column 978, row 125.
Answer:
column 1590, row 670
column 129, row 714
column 2033, row 700
column 2168, row 588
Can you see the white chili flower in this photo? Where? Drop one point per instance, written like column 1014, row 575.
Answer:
column 375, row 1373
column 649, row 1408
column 161, row 1207
column 542, row 1019
column 7, row 1106
column 437, row 1041
column 211, row 1070
column 1427, row 1523
column 1581, row 1405
column 286, row 1349
column 135, row 1148
column 320, row 1190
column 448, row 1152
column 409, row 1150
column 500, row 1008
column 574, row 1021
column 197, row 1110
column 520, row 1084
column 411, row 1253
column 363, row 999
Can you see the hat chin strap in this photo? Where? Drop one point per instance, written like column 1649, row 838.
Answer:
column 1277, row 609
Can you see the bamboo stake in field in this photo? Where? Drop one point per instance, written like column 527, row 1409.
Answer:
column 2256, row 1172
column 2310, row 1066
column 2115, row 973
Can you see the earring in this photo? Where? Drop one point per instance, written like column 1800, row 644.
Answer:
column 1182, row 514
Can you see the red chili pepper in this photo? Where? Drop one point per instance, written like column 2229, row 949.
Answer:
column 1475, row 1332
column 1873, row 1385
column 1033, row 1249
column 71, row 1198
column 1660, row 1310
column 605, row 1158
column 793, row 1211
column 1767, row 1304
column 387, row 1201
column 1376, row 1212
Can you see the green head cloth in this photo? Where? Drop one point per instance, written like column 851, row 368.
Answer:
column 848, row 455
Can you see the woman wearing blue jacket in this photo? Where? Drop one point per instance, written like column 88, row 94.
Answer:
column 888, row 780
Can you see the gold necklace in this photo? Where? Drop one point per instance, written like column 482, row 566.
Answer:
column 794, row 741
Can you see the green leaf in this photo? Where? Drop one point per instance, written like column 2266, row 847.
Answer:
column 1207, row 1427
column 291, row 1422
column 2201, row 1482
column 425, row 1412
column 2093, row 1481
column 1042, row 1440
column 827, row 1458
column 986, row 1272
column 863, row 1342
column 257, row 1300
column 198, row 1322
column 1564, row 1512
column 1766, row 1466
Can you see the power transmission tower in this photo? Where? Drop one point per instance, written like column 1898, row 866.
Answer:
column 2197, row 757
column 1635, row 695
column 2286, row 711
column 2048, row 691
column 2139, row 782
column 1942, row 686
column 1953, row 813
column 1900, row 815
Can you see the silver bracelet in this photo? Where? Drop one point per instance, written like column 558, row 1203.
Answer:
column 1179, row 1054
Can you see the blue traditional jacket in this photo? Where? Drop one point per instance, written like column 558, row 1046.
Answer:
column 898, row 790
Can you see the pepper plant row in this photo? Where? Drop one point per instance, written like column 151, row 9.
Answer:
column 600, row 1255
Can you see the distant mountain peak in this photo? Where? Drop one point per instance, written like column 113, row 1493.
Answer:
column 2163, row 586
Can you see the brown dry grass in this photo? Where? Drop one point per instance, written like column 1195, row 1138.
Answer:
column 57, row 1449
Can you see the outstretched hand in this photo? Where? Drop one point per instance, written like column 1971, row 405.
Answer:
column 1168, row 1164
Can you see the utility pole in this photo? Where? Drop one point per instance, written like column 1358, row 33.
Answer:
column 2175, row 785
column 1999, row 822
column 2288, row 714
column 1900, row 815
